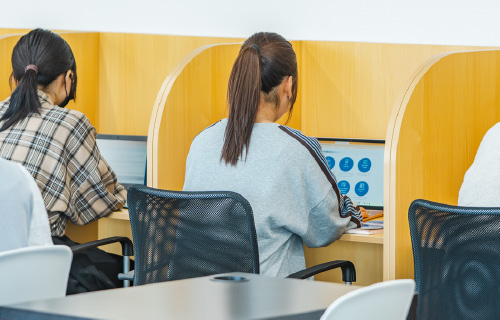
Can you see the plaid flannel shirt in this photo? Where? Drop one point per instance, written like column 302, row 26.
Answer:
column 58, row 147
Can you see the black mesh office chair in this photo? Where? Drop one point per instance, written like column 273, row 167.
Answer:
column 456, row 253
column 179, row 235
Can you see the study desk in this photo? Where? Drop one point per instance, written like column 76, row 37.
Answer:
column 365, row 251
column 260, row 297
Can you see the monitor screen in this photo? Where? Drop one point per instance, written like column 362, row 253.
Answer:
column 126, row 155
column 359, row 169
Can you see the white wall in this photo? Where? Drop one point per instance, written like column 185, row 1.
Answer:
column 456, row 22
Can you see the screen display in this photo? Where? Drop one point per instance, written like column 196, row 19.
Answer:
column 126, row 155
column 359, row 169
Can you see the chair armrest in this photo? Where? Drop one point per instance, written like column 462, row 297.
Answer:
column 348, row 270
column 127, row 248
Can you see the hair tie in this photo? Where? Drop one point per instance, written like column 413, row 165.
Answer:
column 31, row 67
column 256, row 47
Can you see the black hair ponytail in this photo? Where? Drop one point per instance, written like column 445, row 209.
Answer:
column 38, row 58
column 264, row 61
column 23, row 101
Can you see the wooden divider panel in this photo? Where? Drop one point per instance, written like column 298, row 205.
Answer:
column 7, row 43
column 348, row 89
column 85, row 47
column 132, row 70
column 192, row 97
column 436, row 128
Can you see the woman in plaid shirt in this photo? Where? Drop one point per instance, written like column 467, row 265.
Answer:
column 56, row 145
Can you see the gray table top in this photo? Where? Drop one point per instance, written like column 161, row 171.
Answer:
column 200, row 298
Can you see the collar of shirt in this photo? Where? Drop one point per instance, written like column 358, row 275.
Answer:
column 44, row 99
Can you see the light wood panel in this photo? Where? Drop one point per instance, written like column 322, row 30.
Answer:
column 81, row 234
column 192, row 98
column 85, row 47
column 366, row 257
column 132, row 70
column 117, row 224
column 436, row 128
column 7, row 31
column 377, row 238
column 348, row 89
column 110, row 227
column 7, row 43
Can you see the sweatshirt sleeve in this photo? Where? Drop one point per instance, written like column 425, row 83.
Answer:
column 328, row 212
column 324, row 223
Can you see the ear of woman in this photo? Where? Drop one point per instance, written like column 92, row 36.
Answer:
column 67, row 85
column 285, row 102
column 288, row 87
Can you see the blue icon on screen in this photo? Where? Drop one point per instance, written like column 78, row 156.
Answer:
column 346, row 164
column 331, row 162
column 364, row 165
column 344, row 186
column 361, row 188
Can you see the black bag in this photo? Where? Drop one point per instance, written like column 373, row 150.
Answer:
column 92, row 270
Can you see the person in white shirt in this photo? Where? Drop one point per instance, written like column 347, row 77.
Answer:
column 23, row 219
column 481, row 185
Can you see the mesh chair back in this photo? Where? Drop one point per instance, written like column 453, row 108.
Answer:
column 179, row 235
column 456, row 253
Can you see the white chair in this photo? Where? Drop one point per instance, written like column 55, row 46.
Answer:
column 389, row 300
column 34, row 273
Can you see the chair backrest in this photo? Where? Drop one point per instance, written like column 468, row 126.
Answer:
column 180, row 235
column 388, row 300
column 456, row 254
column 34, row 273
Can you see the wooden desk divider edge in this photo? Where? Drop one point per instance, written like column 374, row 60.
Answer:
column 159, row 107
column 452, row 96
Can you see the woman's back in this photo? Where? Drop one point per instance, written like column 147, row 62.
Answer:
column 284, row 179
column 57, row 146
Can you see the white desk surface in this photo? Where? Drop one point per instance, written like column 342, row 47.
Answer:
column 199, row 298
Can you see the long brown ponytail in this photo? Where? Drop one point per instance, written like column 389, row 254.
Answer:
column 264, row 61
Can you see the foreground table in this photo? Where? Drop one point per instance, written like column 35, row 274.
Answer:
column 256, row 297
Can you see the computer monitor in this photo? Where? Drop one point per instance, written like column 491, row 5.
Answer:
column 358, row 166
column 126, row 155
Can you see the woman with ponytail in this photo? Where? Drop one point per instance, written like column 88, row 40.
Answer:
column 56, row 145
column 280, row 171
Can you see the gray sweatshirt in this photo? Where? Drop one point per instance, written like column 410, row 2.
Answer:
column 286, row 180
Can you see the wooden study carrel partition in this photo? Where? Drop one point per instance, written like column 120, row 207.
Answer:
column 437, row 125
column 326, row 107
column 346, row 90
